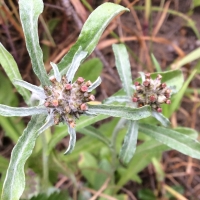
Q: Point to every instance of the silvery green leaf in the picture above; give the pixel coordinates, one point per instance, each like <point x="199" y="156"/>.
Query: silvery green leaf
<point x="120" y="99"/>
<point x="123" y="67"/>
<point x="33" y="88"/>
<point x="14" y="182"/>
<point x="56" y="71"/>
<point x="95" y="84"/>
<point x="121" y="111"/>
<point x="142" y="76"/>
<point x="92" y="31"/>
<point x="29" y="12"/>
<point x="130" y="142"/>
<point x="10" y="66"/>
<point x="173" y="139"/>
<point x="48" y="123"/>
<point x="22" y="111"/>
<point x="72" y="140"/>
<point x="77" y="59"/>
<point x="161" y="118"/>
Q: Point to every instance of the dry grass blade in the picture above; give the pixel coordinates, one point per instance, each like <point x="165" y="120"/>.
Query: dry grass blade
<point x="144" y="52"/>
<point x="103" y="187"/>
<point x="161" y="40"/>
<point x="80" y="10"/>
<point x="162" y="18"/>
<point x="174" y="193"/>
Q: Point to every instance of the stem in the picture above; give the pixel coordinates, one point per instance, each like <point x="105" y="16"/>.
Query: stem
<point x="45" y="162"/>
<point x="113" y="150"/>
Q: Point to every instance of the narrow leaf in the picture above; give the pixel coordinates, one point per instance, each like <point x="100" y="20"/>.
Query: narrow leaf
<point x="156" y="64"/>
<point x="142" y="76"/>
<point x="15" y="179"/>
<point x="173" y="78"/>
<point x="77" y="59"/>
<point x="161" y="118"/>
<point x="12" y="71"/>
<point x="91" y="131"/>
<point x="33" y="88"/>
<point x="22" y="111"/>
<point x="120" y="99"/>
<point x="173" y="139"/>
<point x="56" y="71"/>
<point x="29" y="13"/>
<point x="130" y="142"/>
<point x="123" y="67"/>
<point x="72" y="140"/>
<point x="81" y="123"/>
<point x="187" y="131"/>
<point x="95" y="84"/>
<point x="91" y="32"/>
<point x="121" y="111"/>
<point x="49" y="122"/>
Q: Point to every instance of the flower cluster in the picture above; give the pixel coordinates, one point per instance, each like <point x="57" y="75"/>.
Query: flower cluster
<point x="66" y="100"/>
<point x="152" y="92"/>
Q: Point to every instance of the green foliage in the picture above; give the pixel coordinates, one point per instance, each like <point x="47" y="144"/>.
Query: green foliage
<point x="29" y="22"/>
<point x="96" y="153"/>
<point x="12" y="71"/>
<point x="92" y="31"/>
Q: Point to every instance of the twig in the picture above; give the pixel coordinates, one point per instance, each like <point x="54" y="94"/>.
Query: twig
<point x="161" y="20"/>
<point x="103" y="187"/>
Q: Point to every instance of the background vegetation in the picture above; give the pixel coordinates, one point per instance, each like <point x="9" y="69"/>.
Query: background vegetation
<point x="166" y="30"/>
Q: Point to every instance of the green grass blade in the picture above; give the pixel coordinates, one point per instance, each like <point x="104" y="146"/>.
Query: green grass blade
<point x="195" y="54"/>
<point x="91" y="32"/>
<point x="15" y="179"/>
<point x="123" y="67"/>
<point x="156" y="64"/>
<point x="10" y="66"/>
<point x="173" y="139"/>
<point x="29" y="13"/>
<point x="130" y="142"/>
<point x="121" y="111"/>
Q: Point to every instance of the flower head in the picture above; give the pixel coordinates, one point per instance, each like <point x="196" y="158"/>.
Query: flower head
<point x="151" y="92"/>
<point x="66" y="101"/>
<point x="62" y="100"/>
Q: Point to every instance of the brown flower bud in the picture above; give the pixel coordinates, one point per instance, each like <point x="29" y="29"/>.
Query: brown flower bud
<point x="159" y="109"/>
<point x="68" y="86"/>
<point x="52" y="79"/>
<point x="163" y="85"/>
<point x="88" y="83"/>
<point x="152" y="98"/>
<point x="146" y="83"/>
<point x="83" y="107"/>
<point x="91" y="97"/>
<point x="168" y="101"/>
<point x="84" y="88"/>
<point x="147" y="75"/>
<point x="55" y="102"/>
<point x="80" y="80"/>
<point x="46" y="104"/>
<point x="134" y="99"/>
<point x="136" y="83"/>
